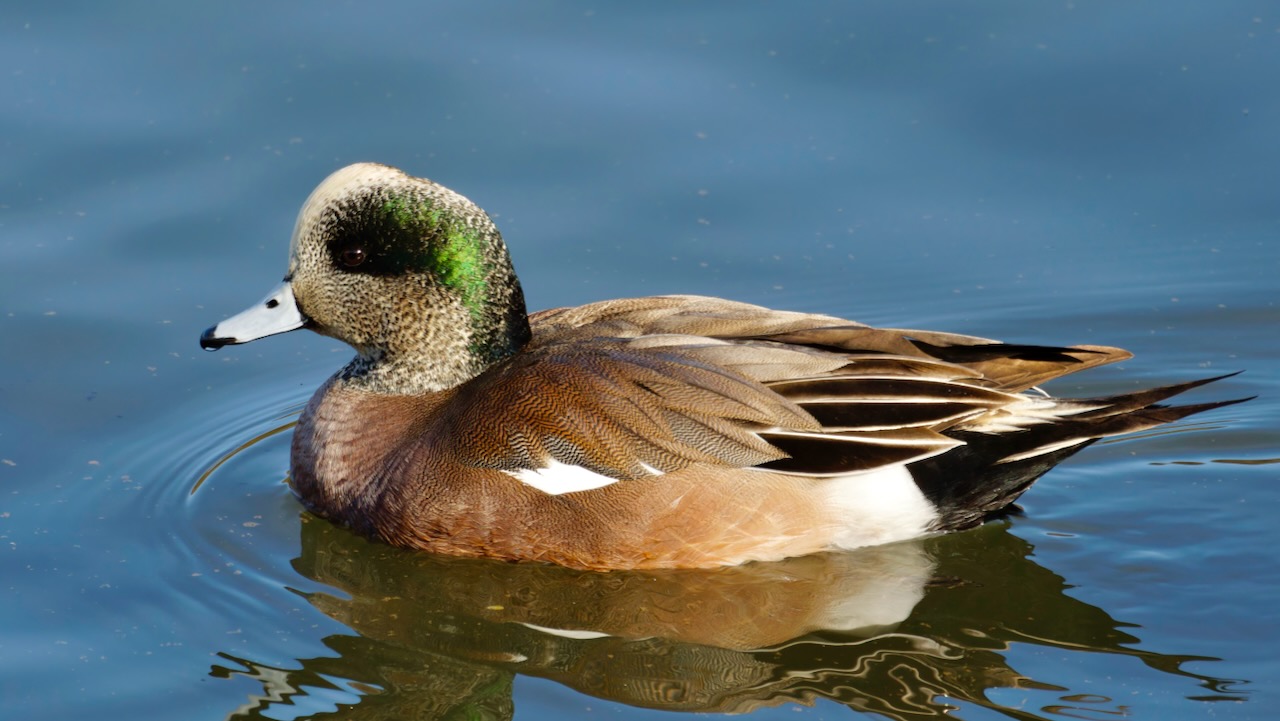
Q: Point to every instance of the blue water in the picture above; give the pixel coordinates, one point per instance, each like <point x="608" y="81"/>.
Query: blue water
<point x="1084" y="172"/>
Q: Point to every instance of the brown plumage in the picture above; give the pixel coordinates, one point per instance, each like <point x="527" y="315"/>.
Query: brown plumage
<point x="646" y="432"/>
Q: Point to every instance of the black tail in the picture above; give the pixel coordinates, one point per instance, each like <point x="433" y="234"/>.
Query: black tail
<point x="983" y="477"/>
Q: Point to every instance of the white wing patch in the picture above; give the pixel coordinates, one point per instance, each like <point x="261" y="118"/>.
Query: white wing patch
<point x="559" y="478"/>
<point x="572" y="633"/>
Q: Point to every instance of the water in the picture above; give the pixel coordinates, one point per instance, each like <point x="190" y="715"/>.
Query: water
<point x="1082" y="172"/>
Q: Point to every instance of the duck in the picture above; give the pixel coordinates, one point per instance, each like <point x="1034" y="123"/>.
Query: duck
<point x="673" y="431"/>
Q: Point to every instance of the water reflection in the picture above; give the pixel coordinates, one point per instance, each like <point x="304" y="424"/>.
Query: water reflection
<point x="896" y="630"/>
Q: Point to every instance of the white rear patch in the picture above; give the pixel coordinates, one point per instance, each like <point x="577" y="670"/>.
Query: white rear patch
<point x="880" y="591"/>
<point x="880" y="506"/>
<point x="558" y="478"/>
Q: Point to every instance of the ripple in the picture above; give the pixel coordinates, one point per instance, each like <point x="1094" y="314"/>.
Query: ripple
<point x="212" y="490"/>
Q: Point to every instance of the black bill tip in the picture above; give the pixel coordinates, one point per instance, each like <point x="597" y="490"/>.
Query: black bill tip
<point x="209" y="340"/>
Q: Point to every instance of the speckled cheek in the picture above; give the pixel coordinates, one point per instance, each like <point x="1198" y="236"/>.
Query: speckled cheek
<point x="302" y="229"/>
<point x="306" y="252"/>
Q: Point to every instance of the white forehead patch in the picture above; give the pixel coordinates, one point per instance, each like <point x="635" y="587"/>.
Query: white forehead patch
<point x="341" y="183"/>
<point x="352" y="178"/>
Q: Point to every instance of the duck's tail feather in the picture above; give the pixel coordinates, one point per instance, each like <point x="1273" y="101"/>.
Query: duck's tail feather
<point x="984" y="476"/>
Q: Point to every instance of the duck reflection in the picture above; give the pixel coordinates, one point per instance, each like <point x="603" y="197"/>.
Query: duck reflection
<point x="896" y="630"/>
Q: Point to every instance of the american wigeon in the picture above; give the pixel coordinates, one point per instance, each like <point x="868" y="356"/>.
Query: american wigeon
<point x="671" y="431"/>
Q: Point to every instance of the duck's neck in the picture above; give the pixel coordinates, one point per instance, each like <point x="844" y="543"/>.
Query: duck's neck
<point x="409" y="374"/>
<point x="445" y="361"/>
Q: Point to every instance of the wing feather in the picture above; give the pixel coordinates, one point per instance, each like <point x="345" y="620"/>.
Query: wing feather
<point x="626" y="387"/>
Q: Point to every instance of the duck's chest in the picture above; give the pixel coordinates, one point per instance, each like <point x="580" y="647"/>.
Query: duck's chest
<point x="346" y="449"/>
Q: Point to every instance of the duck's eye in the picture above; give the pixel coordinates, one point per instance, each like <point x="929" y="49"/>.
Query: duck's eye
<point x="353" y="256"/>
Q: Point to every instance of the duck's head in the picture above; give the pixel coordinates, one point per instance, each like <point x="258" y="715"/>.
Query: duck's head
<point x="412" y="275"/>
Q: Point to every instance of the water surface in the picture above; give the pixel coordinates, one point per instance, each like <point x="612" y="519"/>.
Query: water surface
<point x="1079" y="172"/>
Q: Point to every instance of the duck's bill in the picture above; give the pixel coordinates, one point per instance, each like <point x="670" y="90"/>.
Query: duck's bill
<point x="277" y="313"/>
